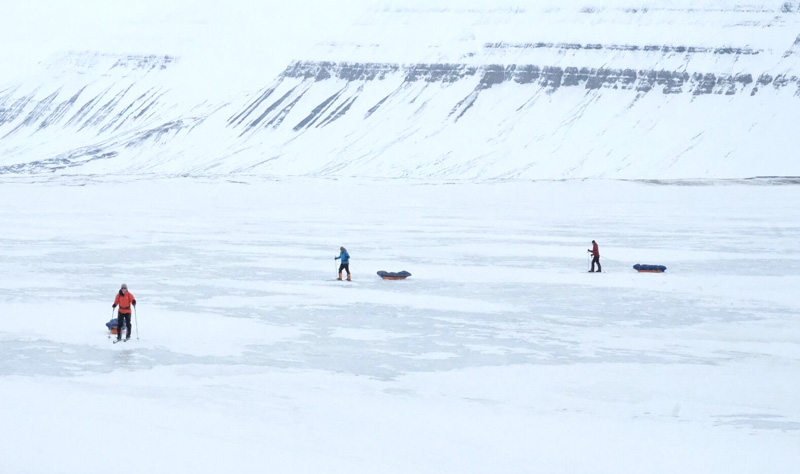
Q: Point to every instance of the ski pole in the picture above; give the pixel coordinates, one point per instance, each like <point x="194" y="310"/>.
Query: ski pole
<point x="136" y="320"/>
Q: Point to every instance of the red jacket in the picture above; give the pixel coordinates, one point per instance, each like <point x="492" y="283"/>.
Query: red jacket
<point x="125" y="301"/>
<point x="595" y="249"/>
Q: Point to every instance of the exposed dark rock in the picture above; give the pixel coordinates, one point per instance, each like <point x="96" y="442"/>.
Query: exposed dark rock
<point x="705" y="83"/>
<point x="338" y="112"/>
<point x="238" y="118"/>
<point x="665" y="49"/>
<point x="277" y="120"/>
<point x="272" y="106"/>
<point x="744" y="79"/>
<point x="317" y="112"/>
<point x="322" y="74"/>
<point x="9" y="114"/>
<point x="376" y="106"/>
<point x="571" y="76"/>
<point x="781" y="80"/>
<point x="552" y="78"/>
<point x="526" y="74"/>
<point x="439" y="72"/>
<point x="494" y="74"/>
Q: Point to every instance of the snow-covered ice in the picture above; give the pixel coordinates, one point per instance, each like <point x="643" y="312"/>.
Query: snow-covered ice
<point x="501" y="354"/>
<point x="215" y="155"/>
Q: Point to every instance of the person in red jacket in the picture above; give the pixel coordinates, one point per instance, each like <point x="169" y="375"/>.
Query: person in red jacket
<point x="595" y="251"/>
<point x="125" y="300"/>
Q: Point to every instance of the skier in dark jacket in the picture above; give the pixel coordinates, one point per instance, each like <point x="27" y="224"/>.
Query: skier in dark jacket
<point x="595" y="251"/>
<point x="125" y="300"/>
<point x="345" y="265"/>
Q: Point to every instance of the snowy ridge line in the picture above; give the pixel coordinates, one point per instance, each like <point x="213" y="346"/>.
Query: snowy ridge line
<point x="754" y="181"/>
<point x="248" y="179"/>
<point x="665" y="49"/>
<point x="784" y="7"/>
<point x="553" y="77"/>
<point x="72" y="61"/>
<point x="149" y="62"/>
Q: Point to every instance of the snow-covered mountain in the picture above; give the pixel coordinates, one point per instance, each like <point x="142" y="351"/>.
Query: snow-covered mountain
<point x="571" y="89"/>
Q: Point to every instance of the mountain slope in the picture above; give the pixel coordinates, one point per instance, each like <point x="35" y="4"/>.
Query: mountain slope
<point x="553" y="90"/>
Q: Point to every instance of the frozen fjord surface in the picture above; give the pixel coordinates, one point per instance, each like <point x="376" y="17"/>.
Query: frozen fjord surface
<point x="499" y="354"/>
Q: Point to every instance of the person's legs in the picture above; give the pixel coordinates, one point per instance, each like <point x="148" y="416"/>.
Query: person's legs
<point x="128" y="325"/>
<point x="347" y="268"/>
<point x="341" y="267"/>
<point x="120" y="321"/>
<point x="597" y="261"/>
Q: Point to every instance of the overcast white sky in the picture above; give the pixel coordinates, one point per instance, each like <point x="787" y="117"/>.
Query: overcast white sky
<point x="35" y="29"/>
<point x="32" y="26"/>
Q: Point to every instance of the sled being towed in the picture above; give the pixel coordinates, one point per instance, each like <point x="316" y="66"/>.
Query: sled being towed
<point x="394" y="275"/>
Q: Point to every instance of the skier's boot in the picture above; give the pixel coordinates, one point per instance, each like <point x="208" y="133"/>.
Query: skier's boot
<point x="340" y="276"/>
<point x="348" y="277"/>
